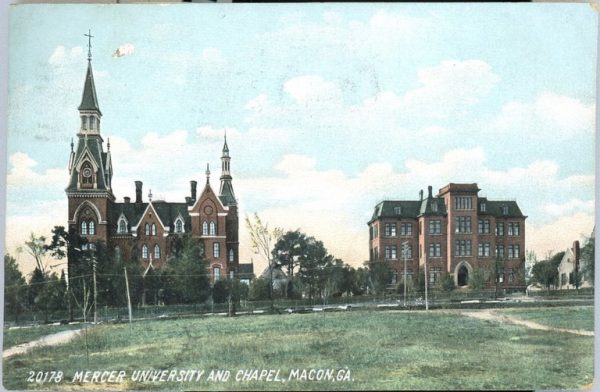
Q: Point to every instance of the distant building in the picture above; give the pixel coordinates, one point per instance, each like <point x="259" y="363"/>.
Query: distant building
<point x="455" y="231"/>
<point x="568" y="269"/>
<point x="246" y="273"/>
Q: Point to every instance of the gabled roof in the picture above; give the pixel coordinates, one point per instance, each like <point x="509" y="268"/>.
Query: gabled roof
<point x="89" y="100"/>
<point x="93" y="145"/>
<point x="167" y="213"/>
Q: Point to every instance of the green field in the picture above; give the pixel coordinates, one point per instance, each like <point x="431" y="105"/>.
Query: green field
<point x="15" y="336"/>
<point x="572" y="317"/>
<point x="382" y="350"/>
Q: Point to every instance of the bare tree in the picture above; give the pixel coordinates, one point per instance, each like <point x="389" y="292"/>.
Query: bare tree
<point x="262" y="238"/>
<point x="36" y="247"/>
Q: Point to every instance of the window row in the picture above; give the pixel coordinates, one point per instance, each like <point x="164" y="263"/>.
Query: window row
<point x="462" y="224"/>
<point x="462" y="248"/>
<point x="501" y="274"/>
<point x="145" y="252"/>
<point x="462" y="203"/>
<point x="389" y="230"/>
<point x="484" y="226"/>
<point x="391" y="252"/>
<point x="89" y="122"/>
<point x="88" y="227"/>
<point x="209" y="228"/>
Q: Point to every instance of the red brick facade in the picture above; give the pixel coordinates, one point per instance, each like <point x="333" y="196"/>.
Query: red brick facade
<point x="457" y="232"/>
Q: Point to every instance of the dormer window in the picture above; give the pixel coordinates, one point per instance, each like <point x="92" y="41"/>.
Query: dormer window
<point x="397" y="210"/>
<point x="434" y="206"/>
<point x="504" y="210"/>
<point x="122" y="226"/>
<point x="482" y="207"/>
<point x="178" y="226"/>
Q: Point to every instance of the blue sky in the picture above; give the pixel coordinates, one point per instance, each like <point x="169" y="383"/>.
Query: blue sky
<point x="328" y="108"/>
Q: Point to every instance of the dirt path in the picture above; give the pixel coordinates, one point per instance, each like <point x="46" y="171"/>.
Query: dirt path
<point x="54" y="339"/>
<point x="490" y="315"/>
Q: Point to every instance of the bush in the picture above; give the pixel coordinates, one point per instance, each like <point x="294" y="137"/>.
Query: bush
<point x="447" y="282"/>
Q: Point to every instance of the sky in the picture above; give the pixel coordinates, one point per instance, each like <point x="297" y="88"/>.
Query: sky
<point x="328" y="109"/>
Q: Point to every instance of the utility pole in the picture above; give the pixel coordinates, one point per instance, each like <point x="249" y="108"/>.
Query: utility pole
<point x="128" y="297"/>
<point x="95" y="290"/>
<point x="404" y="250"/>
<point x="426" y="280"/>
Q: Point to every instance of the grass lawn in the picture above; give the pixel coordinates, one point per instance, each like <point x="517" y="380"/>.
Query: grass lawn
<point x="572" y="317"/>
<point x="15" y="336"/>
<point x="382" y="350"/>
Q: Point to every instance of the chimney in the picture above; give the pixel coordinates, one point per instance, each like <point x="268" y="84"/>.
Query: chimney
<point x="138" y="191"/>
<point x="127" y="199"/>
<point x="429" y="190"/>
<point x="576" y="254"/>
<point x="188" y="200"/>
<point x="193" y="186"/>
<point x="421" y="195"/>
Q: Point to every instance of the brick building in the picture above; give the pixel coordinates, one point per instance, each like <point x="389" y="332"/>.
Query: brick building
<point x="144" y="229"/>
<point x="455" y="231"/>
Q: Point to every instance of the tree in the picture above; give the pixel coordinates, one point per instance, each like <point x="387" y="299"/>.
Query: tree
<point x="530" y="261"/>
<point x="259" y="289"/>
<point x="36" y="247"/>
<point x="360" y="280"/>
<point x="379" y="276"/>
<point x="588" y="258"/>
<point x="14" y="288"/>
<point x="546" y="272"/>
<point x="447" y="282"/>
<point x="288" y="250"/>
<point x="477" y="279"/>
<point x="340" y="278"/>
<point x="184" y="279"/>
<point x="262" y="239"/>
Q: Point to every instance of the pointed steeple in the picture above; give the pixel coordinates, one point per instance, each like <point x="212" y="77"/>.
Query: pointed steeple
<point x="89" y="100"/>
<point x="226" y="191"/>
<point x="207" y="174"/>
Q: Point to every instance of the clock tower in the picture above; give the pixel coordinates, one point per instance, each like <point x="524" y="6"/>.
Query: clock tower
<point x="89" y="190"/>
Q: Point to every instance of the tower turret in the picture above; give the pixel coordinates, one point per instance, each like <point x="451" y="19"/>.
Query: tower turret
<point x="226" y="190"/>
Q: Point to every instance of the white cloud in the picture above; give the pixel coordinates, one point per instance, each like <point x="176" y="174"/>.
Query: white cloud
<point x="124" y="50"/>
<point x="310" y="88"/>
<point x="549" y="114"/>
<point x="60" y="56"/>
<point x="22" y="173"/>
<point x="559" y="234"/>
<point x="570" y="207"/>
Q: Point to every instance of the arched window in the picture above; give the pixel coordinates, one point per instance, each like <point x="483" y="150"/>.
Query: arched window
<point x="178" y="226"/>
<point x="212" y="228"/>
<point x="122" y="226"/>
<point x="153" y="229"/>
<point x="86" y="175"/>
<point x="147" y="229"/>
<point x="91" y="227"/>
<point x="216" y="249"/>
<point x="156" y="251"/>
<point x="83" y="122"/>
<point x="144" y="252"/>
<point x="231" y="254"/>
<point x="204" y="228"/>
<point x="84" y="228"/>
<point x="92" y="122"/>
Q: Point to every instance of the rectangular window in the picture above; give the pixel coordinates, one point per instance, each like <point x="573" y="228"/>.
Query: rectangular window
<point x="513" y="251"/>
<point x="500" y="251"/>
<point x="435" y="250"/>
<point x="499" y="229"/>
<point x="511" y="276"/>
<point x="484" y="226"/>
<point x="216" y="249"/>
<point x="435" y="226"/>
<point x="406" y="229"/>
<point x="462" y="248"/>
<point x="409" y="252"/>
<point x="482" y="207"/>
<point x="513" y="228"/>
<point x="390" y="229"/>
<point x="463" y="224"/>
<point x="483" y="250"/>
<point x="462" y="203"/>
<point x="435" y="274"/>
<point x="216" y="273"/>
<point x="390" y="252"/>
<point x="501" y="276"/>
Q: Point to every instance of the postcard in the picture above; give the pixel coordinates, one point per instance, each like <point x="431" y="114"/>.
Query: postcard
<point x="300" y="197"/>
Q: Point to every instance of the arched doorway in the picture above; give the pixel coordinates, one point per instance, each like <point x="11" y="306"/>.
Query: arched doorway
<point x="462" y="276"/>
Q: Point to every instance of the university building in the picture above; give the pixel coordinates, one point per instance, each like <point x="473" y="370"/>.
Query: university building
<point x="141" y="229"/>
<point x="455" y="231"/>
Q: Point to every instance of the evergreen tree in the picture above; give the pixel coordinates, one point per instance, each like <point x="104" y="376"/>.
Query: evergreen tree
<point x="14" y="289"/>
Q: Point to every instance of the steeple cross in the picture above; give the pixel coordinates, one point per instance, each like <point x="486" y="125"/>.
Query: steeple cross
<point x="90" y="36"/>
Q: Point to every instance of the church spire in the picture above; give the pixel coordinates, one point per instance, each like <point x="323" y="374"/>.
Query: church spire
<point x="226" y="192"/>
<point x="89" y="109"/>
